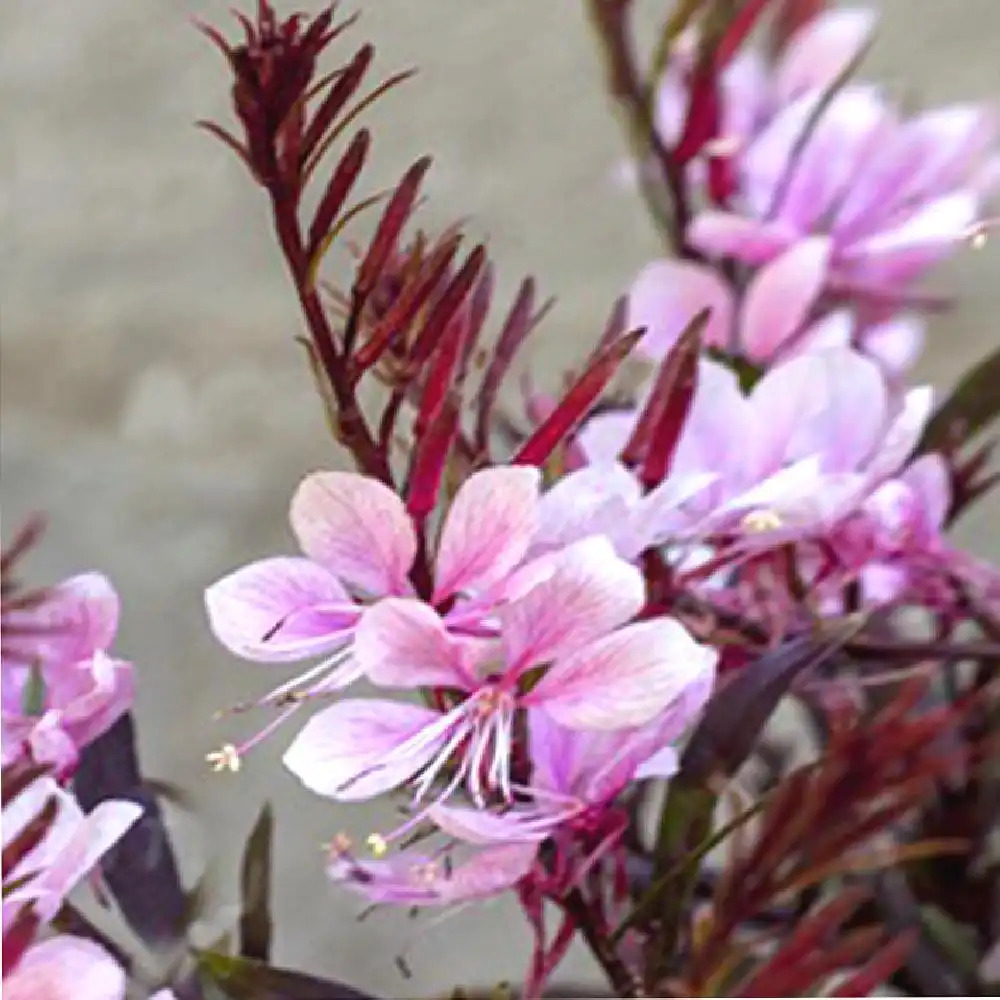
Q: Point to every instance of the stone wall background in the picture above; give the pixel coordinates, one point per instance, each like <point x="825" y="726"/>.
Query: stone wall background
<point x="154" y="403"/>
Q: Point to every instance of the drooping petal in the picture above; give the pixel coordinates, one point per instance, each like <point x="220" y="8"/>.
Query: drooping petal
<point x="667" y="295"/>
<point x="357" y="528"/>
<point x="623" y="680"/>
<point x="779" y="298"/>
<point x="280" y="609"/>
<point x="591" y="592"/>
<point x="488" y="529"/>
<point x="90" y="695"/>
<point x="65" y="968"/>
<point x="725" y="234"/>
<point x="895" y="344"/>
<point x="416" y="880"/>
<point x="403" y="643"/>
<point x="349" y="751"/>
<point x="820" y="51"/>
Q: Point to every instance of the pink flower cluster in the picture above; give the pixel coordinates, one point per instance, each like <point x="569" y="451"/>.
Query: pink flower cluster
<point x="62" y="966"/>
<point x="61" y="686"/>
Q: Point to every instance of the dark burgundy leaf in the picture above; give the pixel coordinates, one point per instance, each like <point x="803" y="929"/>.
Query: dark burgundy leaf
<point x="430" y="457"/>
<point x="973" y="405"/>
<point x="140" y="870"/>
<point x="479" y="307"/>
<point x="246" y="979"/>
<point x="347" y="83"/>
<point x="255" y="889"/>
<point x="574" y="407"/>
<point x="703" y="116"/>
<point x="17" y="777"/>
<point x="738" y="29"/>
<point x="228" y="139"/>
<point x="732" y="723"/>
<point x="390" y="226"/>
<point x="879" y="969"/>
<point x="29" y="837"/>
<point x="341" y="183"/>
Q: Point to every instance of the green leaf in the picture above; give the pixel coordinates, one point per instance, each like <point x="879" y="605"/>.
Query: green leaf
<point x="33" y="698"/>
<point x="248" y="979"/>
<point x="255" y="889"/>
<point x="973" y="405"/>
<point x="955" y="941"/>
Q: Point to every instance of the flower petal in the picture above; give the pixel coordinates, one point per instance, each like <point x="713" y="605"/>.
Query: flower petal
<point x="591" y="592"/>
<point x="667" y="295"/>
<point x="725" y="234"/>
<point x="903" y="433"/>
<point x="479" y="826"/>
<point x="403" y="643"/>
<point x="349" y="751"/>
<point x="65" y="968"/>
<point x="779" y="298"/>
<point x="280" y="609"/>
<point x="623" y="680"/>
<point x="895" y="344"/>
<point x="930" y="481"/>
<point x="357" y="528"/>
<point x="603" y="437"/>
<point x="488" y="529"/>
<point x="820" y="51"/>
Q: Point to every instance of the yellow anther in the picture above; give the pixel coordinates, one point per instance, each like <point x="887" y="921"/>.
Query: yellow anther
<point x="761" y="520"/>
<point x="377" y="844"/>
<point x="225" y="759"/>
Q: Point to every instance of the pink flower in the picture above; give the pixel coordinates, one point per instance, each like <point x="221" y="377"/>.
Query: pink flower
<point x="65" y="968"/>
<point x="61" y="689"/>
<point x="776" y="317"/>
<point x="804" y="448"/>
<point x="70" y="848"/>
<point x="360" y="545"/>
<point x="563" y="646"/>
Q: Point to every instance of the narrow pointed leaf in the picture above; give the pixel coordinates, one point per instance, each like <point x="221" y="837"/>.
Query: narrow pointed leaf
<point x="337" y="191"/>
<point x="391" y="225"/>
<point x="255" y="889"/>
<point x="662" y="421"/>
<point x="228" y="139"/>
<point x="879" y="969"/>
<point x="440" y="374"/>
<point x="30" y="837"/>
<point x="703" y="116"/>
<point x="140" y="870"/>
<point x="430" y="458"/>
<point x="17" y="777"/>
<point x="246" y="979"/>
<point x="576" y="404"/>
<point x="973" y="405"/>
<point x="479" y="307"/>
<point x="336" y="99"/>
<point x="739" y="29"/>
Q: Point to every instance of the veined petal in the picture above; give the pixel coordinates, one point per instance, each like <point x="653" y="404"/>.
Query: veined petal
<point x="65" y="968"/>
<point x="820" y="51"/>
<point x="603" y="437"/>
<point x="488" y="529"/>
<point x="414" y="879"/>
<point x="479" y="826"/>
<point x="667" y="295"/>
<point x="349" y="751"/>
<point x="357" y="528"/>
<point x="280" y="609"/>
<point x="725" y="234"/>
<point x="779" y="298"/>
<point x="623" y="680"/>
<point x="591" y="592"/>
<point x="404" y="643"/>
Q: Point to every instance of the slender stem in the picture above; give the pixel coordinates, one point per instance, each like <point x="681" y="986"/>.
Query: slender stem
<point x="590" y="922"/>
<point x="634" y="98"/>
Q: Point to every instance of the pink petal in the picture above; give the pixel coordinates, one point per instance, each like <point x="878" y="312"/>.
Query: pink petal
<point x="895" y="344"/>
<point x="357" y="528"/>
<point x="488" y="529"/>
<point x="834" y="331"/>
<point x="901" y="435"/>
<point x="412" y="879"/>
<point x="667" y="295"/>
<point x="723" y="234"/>
<point x="930" y="481"/>
<point x="591" y="592"/>
<point x="350" y="751"/>
<point x="819" y="53"/>
<point x="404" y="643"/>
<point x="280" y="609"/>
<point x="91" y="695"/>
<point x="779" y="298"/>
<point x="603" y="437"/>
<point x="65" y="968"/>
<point x="663" y="764"/>
<point x="623" y="680"/>
<point x="479" y="826"/>
<point x="882" y="583"/>
<point x="589" y="501"/>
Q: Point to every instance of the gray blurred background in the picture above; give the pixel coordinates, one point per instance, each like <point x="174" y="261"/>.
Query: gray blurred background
<point x="156" y="407"/>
